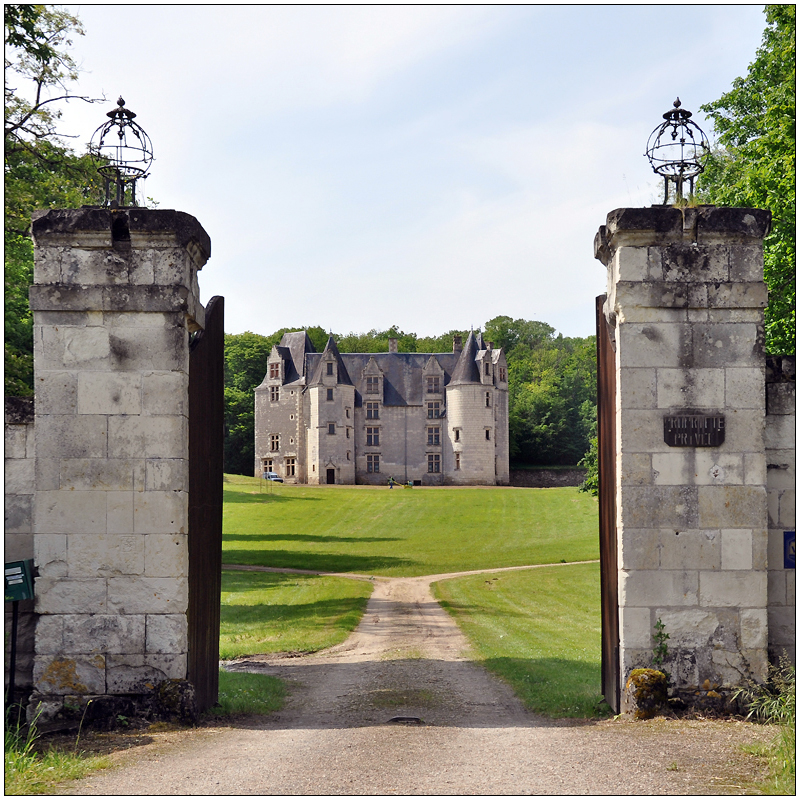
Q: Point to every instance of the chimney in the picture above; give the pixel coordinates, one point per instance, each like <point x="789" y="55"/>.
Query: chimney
<point x="392" y="344"/>
<point x="490" y="345"/>
<point x="457" y="346"/>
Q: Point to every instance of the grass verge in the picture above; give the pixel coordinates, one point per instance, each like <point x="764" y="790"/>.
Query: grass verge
<point x="404" y="532"/>
<point x="28" y="771"/>
<point x="264" y="612"/>
<point x="537" y="629"/>
<point x="248" y="693"/>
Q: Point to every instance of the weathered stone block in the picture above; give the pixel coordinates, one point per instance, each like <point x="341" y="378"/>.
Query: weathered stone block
<point x="744" y="387"/>
<point x="19" y="475"/>
<point x="56" y="392"/>
<point x="119" y="510"/>
<point x="70" y="595"/>
<point x="780" y="431"/>
<point x="140" y="674"/>
<point x="72" y="348"/>
<point x="64" y="675"/>
<point x="71" y="436"/>
<point x="96" y="474"/>
<point x="635" y="469"/>
<point x="142" y="595"/>
<point x="109" y="393"/>
<point x="94" y="267"/>
<point x="776" y="587"/>
<point x="755" y="469"/>
<point x="742" y="345"/>
<point x="643" y="432"/>
<point x="631" y="264"/>
<point x="654" y="345"/>
<point x="639" y="549"/>
<point x="674" y="468"/>
<point x="48" y="474"/>
<point x="659" y="507"/>
<point x="737" y="295"/>
<point x="747" y="263"/>
<point x="692" y="549"/>
<point x="781" y="626"/>
<point x="70" y="512"/>
<point x="775" y="549"/>
<point x="745" y="428"/>
<point x="759" y="548"/>
<point x="733" y="588"/>
<point x="18" y="546"/>
<point x="160" y="512"/>
<point x="166" y="555"/>
<point x="166" y="633"/>
<point x="104" y="633"/>
<point x="650" y="588"/>
<point x="781" y="398"/>
<point x="18" y="513"/>
<point x="712" y="467"/>
<point x="753" y="627"/>
<point x="737" y="549"/>
<point x="165" y="393"/>
<point x="135" y="348"/>
<point x="688" y="627"/>
<point x="731" y="506"/>
<point x="167" y="475"/>
<point x="148" y="437"/>
<point x="50" y="554"/>
<point x="638" y="388"/>
<point x="635" y="627"/>
<point x="780" y="470"/>
<point x="15" y="437"/>
<point x="50" y="634"/>
<point x="787" y="509"/>
<point x="105" y="555"/>
<point x="691" y="388"/>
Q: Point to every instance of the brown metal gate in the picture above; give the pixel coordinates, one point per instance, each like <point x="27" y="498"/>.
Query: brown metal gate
<point x="206" y="421"/>
<point x="606" y="458"/>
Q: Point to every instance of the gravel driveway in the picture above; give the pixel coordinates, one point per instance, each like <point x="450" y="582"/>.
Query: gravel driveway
<point x="461" y="731"/>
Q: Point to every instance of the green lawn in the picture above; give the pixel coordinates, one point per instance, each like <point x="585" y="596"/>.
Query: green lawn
<point x="538" y="629"/>
<point x="265" y="612"/>
<point x="404" y="532"/>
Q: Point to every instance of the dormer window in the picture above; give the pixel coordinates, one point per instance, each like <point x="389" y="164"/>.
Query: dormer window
<point x="274" y="371"/>
<point x="373" y="384"/>
<point x="434" y="386"/>
<point x="487" y="368"/>
<point x="502" y="373"/>
<point x="329" y="368"/>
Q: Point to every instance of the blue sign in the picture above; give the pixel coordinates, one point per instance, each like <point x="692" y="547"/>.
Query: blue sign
<point x="789" y="549"/>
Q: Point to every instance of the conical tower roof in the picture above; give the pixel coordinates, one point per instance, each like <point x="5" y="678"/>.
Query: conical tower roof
<point x="341" y="370"/>
<point x="466" y="370"/>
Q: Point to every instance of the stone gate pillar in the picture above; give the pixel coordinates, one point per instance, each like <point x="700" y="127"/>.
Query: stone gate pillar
<point x="685" y="300"/>
<point x="115" y="301"/>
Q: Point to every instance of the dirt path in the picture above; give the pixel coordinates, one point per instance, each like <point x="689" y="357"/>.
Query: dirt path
<point x="464" y="731"/>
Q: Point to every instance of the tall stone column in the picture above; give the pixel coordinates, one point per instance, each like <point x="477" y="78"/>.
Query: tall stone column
<point x="686" y="298"/>
<point x="115" y="301"/>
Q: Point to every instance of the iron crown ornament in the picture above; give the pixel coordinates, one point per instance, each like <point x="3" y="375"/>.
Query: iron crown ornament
<point x="123" y="153"/>
<point x="676" y="150"/>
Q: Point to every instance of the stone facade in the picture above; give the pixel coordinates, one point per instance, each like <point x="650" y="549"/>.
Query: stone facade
<point x="685" y="299"/>
<point x="432" y="419"/>
<point x="781" y="493"/>
<point x="115" y="301"/>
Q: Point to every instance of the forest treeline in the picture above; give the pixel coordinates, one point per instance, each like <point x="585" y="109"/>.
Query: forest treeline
<point x="552" y="385"/>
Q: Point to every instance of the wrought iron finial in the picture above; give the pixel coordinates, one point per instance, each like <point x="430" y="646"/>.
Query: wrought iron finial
<point x="124" y="159"/>
<point x="676" y="150"/>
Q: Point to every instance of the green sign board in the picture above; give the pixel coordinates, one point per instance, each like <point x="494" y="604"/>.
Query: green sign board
<point x="19" y="580"/>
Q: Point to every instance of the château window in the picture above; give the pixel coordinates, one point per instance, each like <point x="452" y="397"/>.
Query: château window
<point x="274" y="371"/>
<point x="348" y="455"/>
<point x="275" y="442"/>
<point x="434" y="462"/>
<point x="488" y="399"/>
<point x="267" y="465"/>
<point x="373" y="385"/>
<point x="433" y="435"/>
<point x="502" y="373"/>
<point x="433" y="384"/>
<point x="329" y="394"/>
<point x="329" y="368"/>
<point x="331" y="428"/>
<point x="373" y="462"/>
<point x="347" y="432"/>
<point x="458" y="460"/>
<point x="373" y="437"/>
<point x="487" y="368"/>
<point x="434" y="410"/>
<point x="372" y="410"/>
<point x="457" y="434"/>
<point x="488" y="435"/>
<point x="274" y="394"/>
<point x="347" y="413"/>
<point x="290" y="467"/>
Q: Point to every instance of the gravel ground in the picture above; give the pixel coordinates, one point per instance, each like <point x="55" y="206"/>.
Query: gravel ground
<point x="460" y="730"/>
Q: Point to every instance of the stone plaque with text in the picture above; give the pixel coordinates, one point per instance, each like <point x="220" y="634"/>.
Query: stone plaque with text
<point x="694" y="430"/>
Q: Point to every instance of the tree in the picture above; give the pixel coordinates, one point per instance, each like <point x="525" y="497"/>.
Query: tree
<point x="40" y="170"/>
<point x="753" y="163"/>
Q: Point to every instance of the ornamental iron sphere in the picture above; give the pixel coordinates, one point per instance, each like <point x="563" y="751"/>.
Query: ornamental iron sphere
<point x="676" y="150"/>
<point x="123" y="154"/>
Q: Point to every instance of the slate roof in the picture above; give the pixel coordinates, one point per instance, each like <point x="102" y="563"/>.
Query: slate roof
<point x="343" y="374"/>
<point x="467" y="370"/>
<point x="293" y="349"/>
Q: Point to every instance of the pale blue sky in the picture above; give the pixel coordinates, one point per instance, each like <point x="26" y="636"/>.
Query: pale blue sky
<point x="428" y="167"/>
